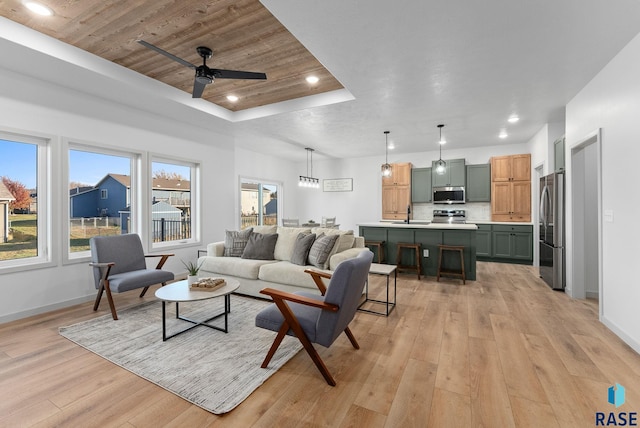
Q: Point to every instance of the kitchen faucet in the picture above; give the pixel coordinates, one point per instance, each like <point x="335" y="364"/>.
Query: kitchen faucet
<point x="408" y="212"/>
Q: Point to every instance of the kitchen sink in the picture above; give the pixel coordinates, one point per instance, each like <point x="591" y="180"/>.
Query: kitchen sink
<point x="412" y="222"/>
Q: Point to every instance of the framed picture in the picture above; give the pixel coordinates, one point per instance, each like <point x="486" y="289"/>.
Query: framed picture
<point x="337" y="185"/>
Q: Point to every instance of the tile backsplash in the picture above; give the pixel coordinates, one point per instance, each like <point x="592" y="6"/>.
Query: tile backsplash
<point x="476" y="211"/>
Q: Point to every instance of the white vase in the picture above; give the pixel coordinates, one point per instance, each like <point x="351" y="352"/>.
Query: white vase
<point x="191" y="279"/>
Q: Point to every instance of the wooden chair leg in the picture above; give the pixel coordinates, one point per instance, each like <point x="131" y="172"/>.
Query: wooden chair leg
<point x="111" y="304"/>
<point x="98" y="297"/>
<point x="352" y="338"/>
<point x="276" y="342"/>
<point x="144" y="290"/>
<point x="291" y="319"/>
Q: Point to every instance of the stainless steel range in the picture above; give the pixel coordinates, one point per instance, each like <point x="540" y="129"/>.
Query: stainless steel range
<point x="449" y="216"/>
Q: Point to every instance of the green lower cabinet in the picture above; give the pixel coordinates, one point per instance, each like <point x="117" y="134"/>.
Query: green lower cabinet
<point x="513" y="243"/>
<point x="376" y="234"/>
<point x="429" y="240"/>
<point x="483" y="241"/>
<point x="395" y="236"/>
<point x="451" y="259"/>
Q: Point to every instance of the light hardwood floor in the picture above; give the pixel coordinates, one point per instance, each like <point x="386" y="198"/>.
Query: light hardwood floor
<point x="501" y="351"/>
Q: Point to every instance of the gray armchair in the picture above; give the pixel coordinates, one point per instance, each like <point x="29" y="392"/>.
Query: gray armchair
<point x="119" y="265"/>
<point x="318" y="319"/>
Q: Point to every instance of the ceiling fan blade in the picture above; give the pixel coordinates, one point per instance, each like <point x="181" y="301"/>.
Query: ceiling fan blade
<point x="198" y="88"/>
<point x="233" y="74"/>
<point x="167" y="54"/>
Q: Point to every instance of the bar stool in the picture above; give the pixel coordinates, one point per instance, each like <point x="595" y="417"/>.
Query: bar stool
<point x="460" y="250"/>
<point x="379" y="246"/>
<point x="408" y="246"/>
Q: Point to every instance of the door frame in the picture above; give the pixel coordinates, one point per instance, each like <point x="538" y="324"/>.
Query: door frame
<point x="576" y="176"/>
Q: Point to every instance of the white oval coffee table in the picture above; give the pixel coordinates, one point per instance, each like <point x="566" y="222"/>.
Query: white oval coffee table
<point x="180" y="292"/>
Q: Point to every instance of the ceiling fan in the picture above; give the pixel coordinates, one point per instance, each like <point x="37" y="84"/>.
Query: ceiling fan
<point x="204" y="74"/>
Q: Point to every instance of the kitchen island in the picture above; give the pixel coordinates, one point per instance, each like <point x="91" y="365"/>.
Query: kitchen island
<point x="429" y="236"/>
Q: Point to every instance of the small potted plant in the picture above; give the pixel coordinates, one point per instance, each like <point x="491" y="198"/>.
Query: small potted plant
<point x="192" y="271"/>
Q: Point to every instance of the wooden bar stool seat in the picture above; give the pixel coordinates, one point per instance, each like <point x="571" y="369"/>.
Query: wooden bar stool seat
<point x="455" y="273"/>
<point x="379" y="245"/>
<point x="408" y="246"/>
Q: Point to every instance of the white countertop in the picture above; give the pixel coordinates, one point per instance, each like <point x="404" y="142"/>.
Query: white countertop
<point x="508" y="223"/>
<point x="418" y="225"/>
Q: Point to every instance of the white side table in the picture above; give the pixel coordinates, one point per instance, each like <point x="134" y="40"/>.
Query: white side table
<point x="387" y="270"/>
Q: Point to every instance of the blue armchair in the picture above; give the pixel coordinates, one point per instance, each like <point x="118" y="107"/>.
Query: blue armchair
<point x="318" y="319"/>
<point x="119" y="265"/>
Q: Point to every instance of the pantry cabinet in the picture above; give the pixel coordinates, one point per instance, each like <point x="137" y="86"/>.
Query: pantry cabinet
<point x="511" y="188"/>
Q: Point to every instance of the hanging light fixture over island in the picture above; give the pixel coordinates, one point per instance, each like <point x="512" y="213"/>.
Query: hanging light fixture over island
<point x="386" y="168"/>
<point x="441" y="166"/>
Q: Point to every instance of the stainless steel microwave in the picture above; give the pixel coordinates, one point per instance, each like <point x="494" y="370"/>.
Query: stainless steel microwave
<point x="448" y="195"/>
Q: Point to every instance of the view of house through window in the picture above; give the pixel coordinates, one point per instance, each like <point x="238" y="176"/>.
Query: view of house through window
<point x="99" y="196"/>
<point x="171" y="214"/>
<point x="258" y="203"/>
<point x="18" y="200"/>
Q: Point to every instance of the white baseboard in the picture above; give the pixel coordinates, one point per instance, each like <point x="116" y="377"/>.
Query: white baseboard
<point x="47" y="308"/>
<point x="621" y="334"/>
<point x="593" y="295"/>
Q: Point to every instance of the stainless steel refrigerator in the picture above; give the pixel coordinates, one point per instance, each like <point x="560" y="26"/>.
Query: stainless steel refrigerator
<point x="552" y="258"/>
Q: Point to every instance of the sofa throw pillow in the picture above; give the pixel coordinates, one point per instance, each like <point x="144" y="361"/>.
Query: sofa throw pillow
<point x="235" y="241"/>
<point x="303" y="244"/>
<point x="320" y="250"/>
<point x="286" y="241"/>
<point x="260" y="246"/>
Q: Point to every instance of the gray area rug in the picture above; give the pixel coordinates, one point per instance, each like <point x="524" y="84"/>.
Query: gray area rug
<point x="206" y="367"/>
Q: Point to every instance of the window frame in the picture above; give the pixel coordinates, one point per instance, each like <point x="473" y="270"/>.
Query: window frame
<point x="261" y="182"/>
<point x="195" y="202"/>
<point x="134" y="168"/>
<point x="44" y="154"/>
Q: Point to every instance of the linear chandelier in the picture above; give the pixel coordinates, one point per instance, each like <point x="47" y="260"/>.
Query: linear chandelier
<point x="308" y="180"/>
<point x="441" y="166"/>
<point x="386" y="168"/>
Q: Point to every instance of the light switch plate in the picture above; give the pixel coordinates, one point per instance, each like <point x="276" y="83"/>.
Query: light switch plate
<point x="608" y="216"/>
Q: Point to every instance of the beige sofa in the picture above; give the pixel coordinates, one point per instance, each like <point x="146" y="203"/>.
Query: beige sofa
<point x="254" y="275"/>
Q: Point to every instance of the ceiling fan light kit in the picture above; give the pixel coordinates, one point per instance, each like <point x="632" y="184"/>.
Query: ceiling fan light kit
<point x="308" y="180"/>
<point x="441" y="166"/>
<point x="203" y="74"/>
<point x="386" y="168"/>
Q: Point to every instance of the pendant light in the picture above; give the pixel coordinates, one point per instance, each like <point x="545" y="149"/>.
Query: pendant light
<point x="308" y="180"/>
<point x="441" y="166"/>
<point x="386" y="168"/>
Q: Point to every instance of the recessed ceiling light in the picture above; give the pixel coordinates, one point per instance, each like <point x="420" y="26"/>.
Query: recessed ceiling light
<point x="513" y="118"/>
<point x="312" y="79"/>
<point x="38" y="8"/>
<point x="503" y="134"/>
<point x="391" y="146"/>
<point x="232" y="98"/>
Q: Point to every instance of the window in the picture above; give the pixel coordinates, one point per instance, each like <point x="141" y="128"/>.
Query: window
<point x="99" y="195"/>
<point x="23" y="200"/>
<point x="258" y="203"/>
<point x="173" y="201"/>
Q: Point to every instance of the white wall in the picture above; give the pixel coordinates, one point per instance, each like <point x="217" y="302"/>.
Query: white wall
<point x="62" y="113"/>
<point x="611" y="101"/>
